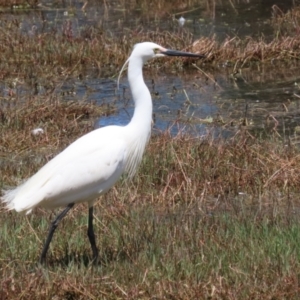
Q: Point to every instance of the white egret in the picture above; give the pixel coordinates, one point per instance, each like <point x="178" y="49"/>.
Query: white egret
<point x="92" y="164"/>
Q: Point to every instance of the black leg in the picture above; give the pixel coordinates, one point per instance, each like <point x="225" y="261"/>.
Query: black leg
<point x="91" y="235"/>
<point x="53" y="226"/>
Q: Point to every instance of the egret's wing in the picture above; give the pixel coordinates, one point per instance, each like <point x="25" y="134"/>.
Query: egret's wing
<point x="87" y="168"/>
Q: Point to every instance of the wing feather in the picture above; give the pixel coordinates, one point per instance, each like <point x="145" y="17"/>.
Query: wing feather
<point x="84" y="170"/>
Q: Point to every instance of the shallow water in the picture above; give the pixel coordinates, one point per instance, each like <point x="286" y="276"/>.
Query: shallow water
<point x="260" y="97"/>
<point x="202" y="18"/>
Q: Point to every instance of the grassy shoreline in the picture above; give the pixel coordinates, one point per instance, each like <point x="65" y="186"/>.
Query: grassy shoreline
<point x="181" y="254"/>
<point x="203" y="219"/>
<point x="218" y="218"/>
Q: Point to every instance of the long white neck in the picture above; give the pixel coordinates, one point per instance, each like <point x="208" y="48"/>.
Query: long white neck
<point x="142" y="116"/>
<point x="139" y="128"/>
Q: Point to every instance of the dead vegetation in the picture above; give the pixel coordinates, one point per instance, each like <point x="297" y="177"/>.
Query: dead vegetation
<point x="205" y="218"/>
<point x="242" y="52"/>
<point x="183" y="229"/>
<point x="35" y="54"/>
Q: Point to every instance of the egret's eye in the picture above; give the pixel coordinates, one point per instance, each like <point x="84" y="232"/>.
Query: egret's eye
<point x="156" y="50"/>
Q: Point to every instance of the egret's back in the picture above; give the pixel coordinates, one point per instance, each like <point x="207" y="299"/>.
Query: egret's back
<point x="83" y="171"/>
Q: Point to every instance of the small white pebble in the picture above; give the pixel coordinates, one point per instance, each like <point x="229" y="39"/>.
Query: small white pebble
<point x="181" y="21"/>
<point x="37" y="131"/>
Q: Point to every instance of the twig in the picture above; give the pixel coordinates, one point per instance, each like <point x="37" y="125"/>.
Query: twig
<point x="213" y="80"/>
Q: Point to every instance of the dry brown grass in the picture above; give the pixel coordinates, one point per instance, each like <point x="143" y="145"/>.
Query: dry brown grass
<point x="212" y="173"/>
<point x="285" y="44"/>
<point x="216" y="219"/>
<point x="241" y="52"/>
<point x="46" y="56"/>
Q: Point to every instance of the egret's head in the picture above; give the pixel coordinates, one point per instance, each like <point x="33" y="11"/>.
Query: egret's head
<point x="148" y="50"/>
<point x="142" y="52"/>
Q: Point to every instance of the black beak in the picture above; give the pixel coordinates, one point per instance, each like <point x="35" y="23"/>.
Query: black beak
<point x="169" y="52"/>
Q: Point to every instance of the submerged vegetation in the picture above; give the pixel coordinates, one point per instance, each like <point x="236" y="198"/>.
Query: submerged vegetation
<point x="205" y="218"/>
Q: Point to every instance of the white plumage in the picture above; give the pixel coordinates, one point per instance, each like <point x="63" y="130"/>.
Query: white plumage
<point x="92" y="164"/>
<point x="80" y="173"/>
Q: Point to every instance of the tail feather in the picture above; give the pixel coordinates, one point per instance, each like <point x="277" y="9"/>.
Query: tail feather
<point x="8" y="197"/>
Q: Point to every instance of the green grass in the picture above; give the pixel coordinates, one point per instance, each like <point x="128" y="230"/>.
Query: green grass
<point x="217" y="220"/>
<point x="146" y="253"/>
